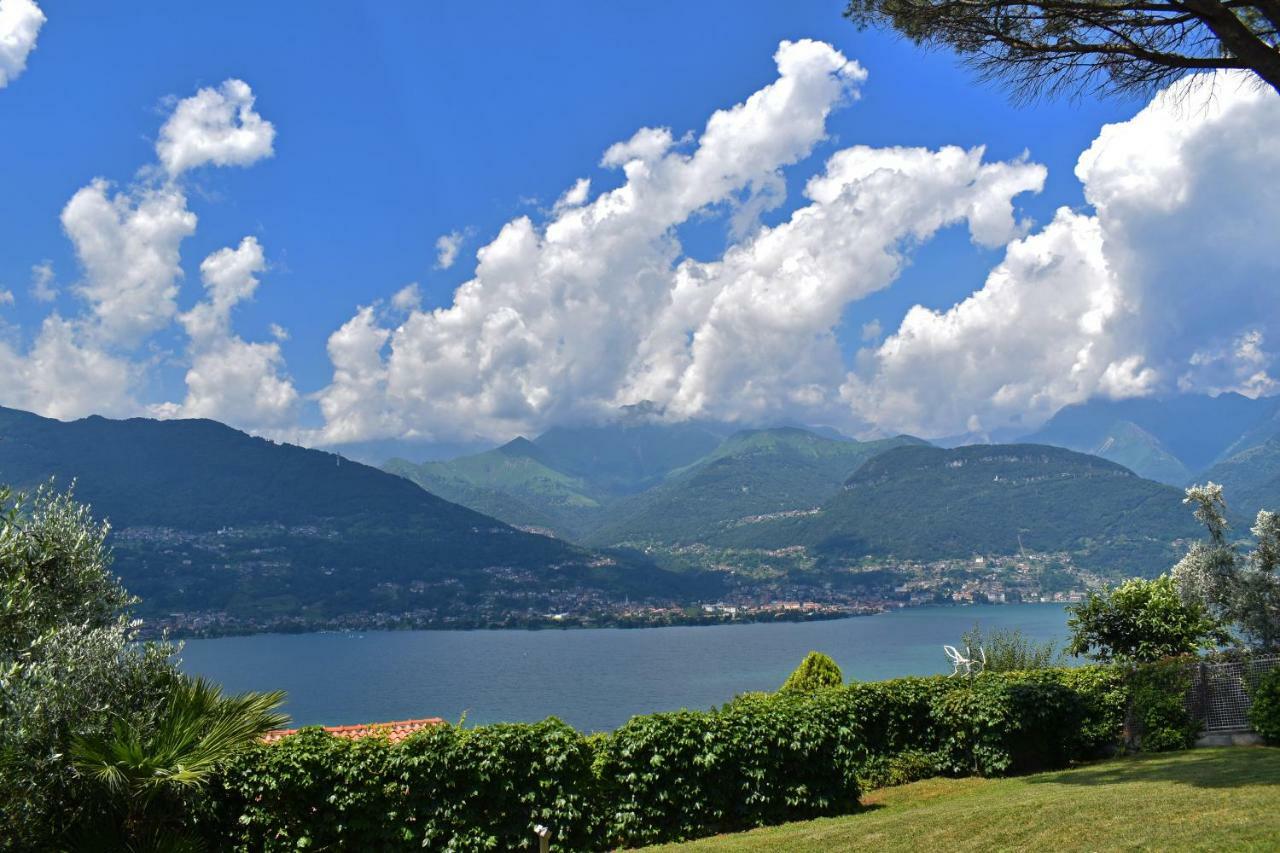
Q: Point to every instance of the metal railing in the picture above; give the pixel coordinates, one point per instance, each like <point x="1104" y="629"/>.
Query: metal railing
<point x="1220" y="692"/>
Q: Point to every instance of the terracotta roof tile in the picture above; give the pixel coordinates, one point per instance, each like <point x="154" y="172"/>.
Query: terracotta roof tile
<point x="395" y="731"/>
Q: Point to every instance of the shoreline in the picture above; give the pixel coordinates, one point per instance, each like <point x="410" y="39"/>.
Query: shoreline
<point x="567" y="624"/>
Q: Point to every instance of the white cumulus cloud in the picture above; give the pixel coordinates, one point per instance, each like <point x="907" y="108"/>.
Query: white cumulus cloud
<point x="447" y="246"/>
<point x="20" y="23"/>
<point x="1168" y="285"/>
<point x="231" y="379"/>
<point x="128" y="244"/>
<point x="60" y="376"/>
<point x="217" y="126"/>
<point x="595" y="309"/>
<point x="43" y="287"/>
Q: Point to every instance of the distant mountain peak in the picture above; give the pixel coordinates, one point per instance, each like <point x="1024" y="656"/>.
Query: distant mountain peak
<point x="520" y="447"/>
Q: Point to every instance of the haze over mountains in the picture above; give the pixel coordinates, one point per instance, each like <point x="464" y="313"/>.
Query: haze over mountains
<point x="1229" y="439"/>
<point x="209" y="519"/>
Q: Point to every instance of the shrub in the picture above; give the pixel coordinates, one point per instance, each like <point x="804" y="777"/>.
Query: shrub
<point x="1012" y="651"/>
<point x="446" y="788"/>
<point x="1141" y="620"/>
<point x="1264" y="713"/>
<point x="815" y="672"/>
<point x="1159" y="718"/>
<point x="760" y="759"/>
<point x="883" y="771"/>
<point x="1104" y="703"/>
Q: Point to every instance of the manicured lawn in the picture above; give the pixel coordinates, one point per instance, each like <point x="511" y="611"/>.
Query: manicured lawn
<point x="1205" y="799"/>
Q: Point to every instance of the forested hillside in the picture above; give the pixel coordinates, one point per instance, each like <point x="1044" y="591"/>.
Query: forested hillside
<point x="208" y="518"/>
<point x="930" y="503"/>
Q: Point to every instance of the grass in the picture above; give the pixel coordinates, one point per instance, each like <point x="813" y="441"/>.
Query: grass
<point x="1205" y="799"/>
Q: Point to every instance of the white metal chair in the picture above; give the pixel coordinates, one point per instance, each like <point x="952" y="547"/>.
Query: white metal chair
<point x="966" y="663"/>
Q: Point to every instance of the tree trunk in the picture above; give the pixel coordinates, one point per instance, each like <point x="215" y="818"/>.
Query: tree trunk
<point x="1263" y="59"/>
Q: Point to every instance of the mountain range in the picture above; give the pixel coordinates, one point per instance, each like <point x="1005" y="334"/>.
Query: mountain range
<point x="927" y="503"/>
<point x="1229" y="439"/>
<point x="207" y="518"/>
<point x="831" y="501"/>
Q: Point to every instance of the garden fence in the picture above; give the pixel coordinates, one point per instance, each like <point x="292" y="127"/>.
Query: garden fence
<point x="1220" y="692"/>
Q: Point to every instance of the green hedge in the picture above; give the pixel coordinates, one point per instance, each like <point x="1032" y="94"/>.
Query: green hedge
<point x="1159" y="714"/>
<point x="760" y="759"/>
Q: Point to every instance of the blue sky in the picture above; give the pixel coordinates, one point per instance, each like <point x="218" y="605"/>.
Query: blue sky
<point x="398" y="123"/>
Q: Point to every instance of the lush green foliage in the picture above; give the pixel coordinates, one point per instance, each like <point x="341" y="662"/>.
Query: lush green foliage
<point x="101" y="738"/>
<point x="1011" y="650"/>
<point x="447" y="788"/>
<point x="1141" y="620"/>
<point x="929" y="503"/>
<point x="815" y="672"/>
<point x="69" y="666"/>
<point x="760" y="759"/>
<point x="145" y="771"/>
<point x="1264" y="713"/>
<point x="1159" y="717"/>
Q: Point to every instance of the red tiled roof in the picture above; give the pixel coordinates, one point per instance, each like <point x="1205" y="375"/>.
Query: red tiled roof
<point x="394" y="731"/>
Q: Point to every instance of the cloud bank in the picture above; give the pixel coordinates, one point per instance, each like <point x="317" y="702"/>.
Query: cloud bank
<point x="20" y="23"/>
<point x="1169" y="285"/>
<point x="1163" y="282"/>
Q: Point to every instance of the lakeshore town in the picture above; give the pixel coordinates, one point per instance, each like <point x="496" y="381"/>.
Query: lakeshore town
<point x="1024" y="578"/>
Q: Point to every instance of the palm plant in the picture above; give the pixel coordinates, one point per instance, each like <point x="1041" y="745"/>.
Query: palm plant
<point x="145" y="771"/>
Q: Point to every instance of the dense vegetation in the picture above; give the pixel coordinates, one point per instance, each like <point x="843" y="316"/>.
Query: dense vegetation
<point x="760" y="759"/>
<point x="930" y="503"/>
<point x="208" y="518"/>
<point x="1142" y="620"/>
<point x="101" y="737"/>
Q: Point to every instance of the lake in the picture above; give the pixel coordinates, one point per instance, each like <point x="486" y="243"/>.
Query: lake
<point x="594" y="679"/>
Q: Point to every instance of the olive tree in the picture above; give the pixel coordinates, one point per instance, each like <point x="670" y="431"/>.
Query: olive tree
<point x="1241" y="588"/>
<point x="69" y="663"/>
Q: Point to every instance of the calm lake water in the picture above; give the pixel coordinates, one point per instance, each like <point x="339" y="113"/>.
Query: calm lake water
<point x="594" y="679"/>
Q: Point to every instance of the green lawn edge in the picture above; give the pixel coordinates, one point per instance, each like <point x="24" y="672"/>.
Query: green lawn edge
<point x="1204" y="799"/>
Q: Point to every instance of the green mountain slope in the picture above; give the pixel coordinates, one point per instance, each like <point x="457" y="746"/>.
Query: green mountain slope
<point x="928" y="503"/>
<point x="627" y="457"/>
<point x="753" y="473"/>
<point x="511" y="482"/>
<point x="1251" y="480"/>
<point x="207" y="518"/>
